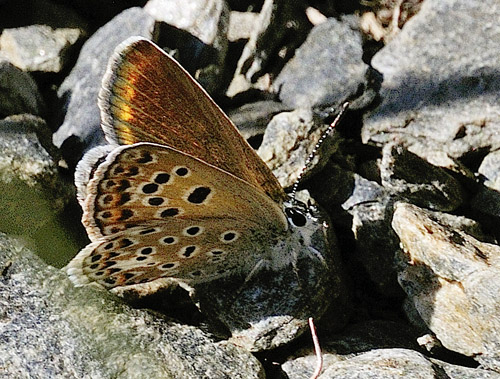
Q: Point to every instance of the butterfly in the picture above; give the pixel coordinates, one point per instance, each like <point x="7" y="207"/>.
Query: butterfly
<point x="178" y="193"/>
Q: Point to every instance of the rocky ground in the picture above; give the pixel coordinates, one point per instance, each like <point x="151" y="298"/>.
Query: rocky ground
<point x="409" y="180"/>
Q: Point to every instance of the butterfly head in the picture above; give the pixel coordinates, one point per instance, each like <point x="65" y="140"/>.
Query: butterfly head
<point x="304" y="219"/>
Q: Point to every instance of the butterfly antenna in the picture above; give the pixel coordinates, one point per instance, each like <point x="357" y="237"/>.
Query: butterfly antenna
<point x="315" y="150"/>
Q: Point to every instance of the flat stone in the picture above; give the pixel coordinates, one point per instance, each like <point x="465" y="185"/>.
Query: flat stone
<point x="80" y="88"/>
<point x="440" y="91"/>
<point x="39" y="47"/>
<point x="452" y="280"/>
<point x="53" y="329"/>
<point x="413" y="178"/>
<point x="335" y="70"/>
<point x="18" y="92"/>
<point x="288" y="141"/>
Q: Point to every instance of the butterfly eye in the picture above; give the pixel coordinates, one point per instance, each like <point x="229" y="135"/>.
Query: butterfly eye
<point x="296" y="217"/>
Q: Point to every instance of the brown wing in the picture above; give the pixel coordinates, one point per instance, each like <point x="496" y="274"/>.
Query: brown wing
<point x="153" y="212"/>
<point x="148" y="97"/>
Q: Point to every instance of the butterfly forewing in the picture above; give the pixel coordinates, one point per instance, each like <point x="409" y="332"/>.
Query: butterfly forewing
<point x="147" y="96"/>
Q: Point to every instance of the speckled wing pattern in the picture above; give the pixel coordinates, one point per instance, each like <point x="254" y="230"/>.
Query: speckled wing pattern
<point x="152" y="212"/>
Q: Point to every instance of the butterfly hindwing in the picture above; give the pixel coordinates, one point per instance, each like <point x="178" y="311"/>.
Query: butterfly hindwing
<point x="182" y="249"/>
<point x="153" y="212"/>
<point x="148" y="97"/>
<point x="147" y="182"/>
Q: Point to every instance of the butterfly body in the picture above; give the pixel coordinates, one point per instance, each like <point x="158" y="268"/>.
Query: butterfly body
<point x="178" y="194"/>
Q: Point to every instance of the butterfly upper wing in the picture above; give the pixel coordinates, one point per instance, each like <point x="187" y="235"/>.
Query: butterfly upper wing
<point x="141" y="198"/>
<point x="147" y="96"/>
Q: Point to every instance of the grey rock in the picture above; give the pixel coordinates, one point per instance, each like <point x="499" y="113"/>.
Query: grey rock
<point x="242" y="82"/>
<point x="422" y="183"/>
<point x="452" y="279"/>
<point x="289" y="139"/>
<point x="279" y="29"/>
<point x="380" y="363"/>
<point x="34" y="194"/>
<point x="241" y="25"/>
<point x="251" y="119"/>
<point x="335" y="70"/>
<point x="375" y="349"/>
<point x="206" y="23"/>
<point x="376" y="243"/>
<point x="489" y="168"/>
<point x="41" y="12"/>
<point x="18" y="92"/>
<point x="80" y="88"/>
<point x="335" y="185"/>
<point x="440" y="90"/>
<point x="204" y="19"/>
<point x="52" y="329"/>
<point x="486" y="202"/>
<point x="38" y="47"/>
<point x="462" y="372"/>
<point x="366" y="209"/>
<point x="351" y="341"/>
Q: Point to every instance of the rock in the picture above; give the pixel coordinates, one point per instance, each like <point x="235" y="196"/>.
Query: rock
<point x="280" y="28"/>
<point x="201" y="18"/>
<point x="489" y="169"/>
<point x="452" y="279"/>
<point x="335" y="71"/>
<point x="440" y="91"/>
<point x="410" y="177"/>
<point x="241" y="25"/>
<point x="53" y="329"/>
<point x="34" y="194"/>
<point x="390" y="347"/>
<point x="202" y="49"/>
<point x="80" y="88"/>
<point x="18" y="92"/>
<point x="289" y="139"/>
<point x="383" y="363"/>
<point x="38" y="47"/>
<point x="56" y="15"/>
<point x="251" y="119"/>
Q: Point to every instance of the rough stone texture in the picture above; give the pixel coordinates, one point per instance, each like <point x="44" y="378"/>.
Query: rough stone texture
<point x="405" y="174"/>
<point x="51" y="329"/>
<point x="289" y="139"/>
<point x="34" y="193"/>
<point x="38" y="47"/>
<point x="241" y="25"/>
<point x="389" y="346"/>
<point x="252" y="119"/>
<point x="489" y="169"/>
<point x="18" y="92"/>
<point x="202" y="50"/>
<point x="452" y="279"/>
<point x="279" y="29"/>
<point x="80" y="88"/>
<point x="200" y="18"/>
<point x="440" y="90"/>
<point x="343" y="77"/>
<point x="439" y="96"/>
